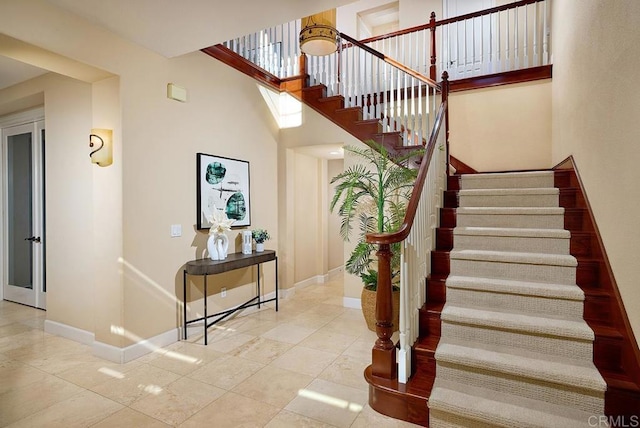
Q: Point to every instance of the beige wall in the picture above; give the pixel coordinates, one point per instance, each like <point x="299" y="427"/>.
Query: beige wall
<point x="596" y="119"/>
<point x="224" y="115"/>
<point x="335" y="244"/>
<point x="69" y="195"/>
<point x="502" y="128"/>
<point x="307" y="218"/>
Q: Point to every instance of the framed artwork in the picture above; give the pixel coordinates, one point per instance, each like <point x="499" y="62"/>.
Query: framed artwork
<point x="223" y="184"/>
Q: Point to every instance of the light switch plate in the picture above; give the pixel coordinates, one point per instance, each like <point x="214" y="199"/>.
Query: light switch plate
<point x="176" y="230"/>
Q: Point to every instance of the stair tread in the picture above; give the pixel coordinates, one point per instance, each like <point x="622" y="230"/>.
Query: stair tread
<point x="501" y="175"/>
<point x="529" y="323"/>
<point x="331" y="98"/>
<point x="552" y="369"/>
<point x="510" y="191"/>
<point x="514" y="257"/>
<point x="472" y="402"/>
<point x="540" y="289"/>
<point x="511" y="210"/>
<point x="512" y="232"/>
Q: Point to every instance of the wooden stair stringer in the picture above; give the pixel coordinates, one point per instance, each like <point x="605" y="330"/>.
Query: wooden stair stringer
<point x="615" y="353"/>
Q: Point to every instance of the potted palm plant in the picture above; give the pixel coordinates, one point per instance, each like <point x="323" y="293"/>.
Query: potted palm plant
<point x="372" y="195"/>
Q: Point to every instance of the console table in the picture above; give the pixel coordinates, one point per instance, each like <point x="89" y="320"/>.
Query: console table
<point x="206" y="267"/>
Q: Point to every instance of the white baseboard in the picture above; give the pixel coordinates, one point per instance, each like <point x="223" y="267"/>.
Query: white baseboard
<point x="351" y="302"/>
<point x="69" y="332"/>
<point x="318" y="279"/>
<point x="136" y="350"/>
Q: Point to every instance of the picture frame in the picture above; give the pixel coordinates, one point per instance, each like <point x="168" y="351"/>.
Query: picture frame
<point x="222" y="184"/>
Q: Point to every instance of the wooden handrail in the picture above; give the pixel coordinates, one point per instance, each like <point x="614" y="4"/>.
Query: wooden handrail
<point x="383" y="353"/>
<point x="424" y="79"/>
<point x="412" y="207"/>
<point x="450" y="20"/>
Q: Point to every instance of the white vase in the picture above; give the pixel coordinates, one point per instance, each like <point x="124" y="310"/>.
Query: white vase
<point x="218" y="246"/>
<point x="259" y="247"/>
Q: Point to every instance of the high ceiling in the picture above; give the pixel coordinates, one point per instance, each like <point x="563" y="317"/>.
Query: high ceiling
<point x="172" y="28"/>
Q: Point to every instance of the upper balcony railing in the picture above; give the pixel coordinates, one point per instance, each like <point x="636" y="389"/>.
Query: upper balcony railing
<point x="504" y="38"/>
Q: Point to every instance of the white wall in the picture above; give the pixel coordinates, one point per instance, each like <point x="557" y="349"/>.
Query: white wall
<point x="595" y="119"/>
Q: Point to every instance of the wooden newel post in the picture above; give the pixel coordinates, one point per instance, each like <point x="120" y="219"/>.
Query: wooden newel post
<point x="432" y="69"/>
<point x="445" y="97"/>
<point x="302" y="66"/>
<point x="384" y="352"/>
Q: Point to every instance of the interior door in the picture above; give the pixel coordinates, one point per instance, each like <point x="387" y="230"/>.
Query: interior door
<point x="466" y="42"/>
<point x="23" y="216"/>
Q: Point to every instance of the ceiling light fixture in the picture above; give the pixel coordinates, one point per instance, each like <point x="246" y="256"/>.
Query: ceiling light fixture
<point x="319" y="35"/>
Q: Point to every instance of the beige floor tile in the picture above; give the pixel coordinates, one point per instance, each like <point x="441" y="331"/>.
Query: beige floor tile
<point x="136" y="384"/>
<point x="347" y="325"/>
<point x="273" y="385"/>
<point x="184" y="358"/>
<point x="128" y="418"/>
<point x="348" y="371"/>
<point x="14" y="374"/>
<point x="360" y="349"/>
<point x="15" y="345"/>
<point x="312" y="320"/>
<point x="289" y="333"/>
<point x="303" y="360"/>
<point x="60" y="360"/>
<point x="286" y="419"/>
<point x="370" y="418"/>
<point x="81" y="410"/>
<point x="13" y="329"/>
<point x="226" y="372"/>
<point x="178" y="401"/>
<point x="233" y="411"/>
<point x="328" y="340"/>
<point x="226" y="341"/>
<point x="262" y="350"/>
<point x="90" y="374"/>
<point x="18" y="403"/>
<point x="329" y="402"/>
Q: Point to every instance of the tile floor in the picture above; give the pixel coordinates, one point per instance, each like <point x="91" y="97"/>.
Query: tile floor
<point x="299" y="367"/>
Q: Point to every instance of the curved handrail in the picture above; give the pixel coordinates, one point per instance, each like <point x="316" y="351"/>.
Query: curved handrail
<point x="412" y="207"/>
<point x="450" y="20"/>
<point x="424" y="79"/>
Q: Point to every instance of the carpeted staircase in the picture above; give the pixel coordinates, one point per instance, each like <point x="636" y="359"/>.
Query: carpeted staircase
<point x="514" y="349"/>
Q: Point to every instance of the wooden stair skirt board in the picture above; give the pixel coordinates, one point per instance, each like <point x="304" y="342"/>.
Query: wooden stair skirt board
<point x="607" y="343"/>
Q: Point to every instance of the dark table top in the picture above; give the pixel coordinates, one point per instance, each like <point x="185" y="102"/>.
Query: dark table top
<point x="233" y="261"/>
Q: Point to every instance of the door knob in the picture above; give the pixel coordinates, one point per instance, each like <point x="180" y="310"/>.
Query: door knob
<point x="33" y="239"/>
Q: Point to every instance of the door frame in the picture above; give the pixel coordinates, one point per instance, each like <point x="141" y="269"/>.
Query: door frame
<point x="35" y="117"/>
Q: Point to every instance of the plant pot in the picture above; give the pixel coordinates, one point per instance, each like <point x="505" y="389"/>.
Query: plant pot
<point x="259" y="247"/>
<point x="368" y="302"/>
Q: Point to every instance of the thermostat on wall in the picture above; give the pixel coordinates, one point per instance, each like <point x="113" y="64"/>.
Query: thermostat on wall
<point x="176" y="92"/>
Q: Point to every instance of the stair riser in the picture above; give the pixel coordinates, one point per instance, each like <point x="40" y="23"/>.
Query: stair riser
<point x="507" y="182"/>
<point x="508" y="220"/>
<point x="523" y="304"/>
<point x="520" y="200"/>
<point x="516" y="271"/>
<point x="581" y="399"/>
<point x="563" y="347"/>
<point x="512" y="243"/>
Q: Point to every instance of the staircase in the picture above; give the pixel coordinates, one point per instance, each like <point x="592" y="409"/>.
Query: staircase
<point x="521" y="307"/>
<point x="514" y="349"/>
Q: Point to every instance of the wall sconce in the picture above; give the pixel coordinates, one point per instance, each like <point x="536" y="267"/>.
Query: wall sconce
<point x="319" y="35"/>
<point x="101" y="140"/>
